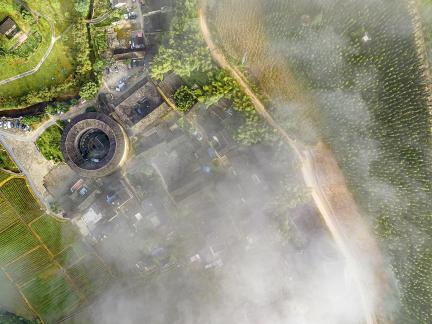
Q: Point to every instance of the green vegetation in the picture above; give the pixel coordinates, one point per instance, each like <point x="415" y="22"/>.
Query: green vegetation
<point x="49" y="143"/>
<point x="18" y="195"/>
<point x="185" y="53"/>
<point x="11" y="299"/>
<point x="82" y="6"/>
<point x="425" y="10"/>
<point x="11" y="49"/>
<point x="89" y="90"/>
<point x="67" y="67"/>
<point x="42" y="258"/>
<point x="55" y="234"/>
<point x="185" y="98"/>
<point x="9" y="318"/>
<point x="101" y="7"/>
<point x="6" y="162"/>
<point x="51" y="294"/>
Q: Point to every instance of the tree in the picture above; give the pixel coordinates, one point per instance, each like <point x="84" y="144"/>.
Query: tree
<point x="185" y="98"/>
<point x="89" y="90"/>
<point x="82" y="6"/>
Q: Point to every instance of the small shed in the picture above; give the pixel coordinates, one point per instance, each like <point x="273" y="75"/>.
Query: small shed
<point x="8" y="27"/>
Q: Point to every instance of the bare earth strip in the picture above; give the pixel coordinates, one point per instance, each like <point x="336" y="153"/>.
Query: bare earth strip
<point x="333" y="199"/>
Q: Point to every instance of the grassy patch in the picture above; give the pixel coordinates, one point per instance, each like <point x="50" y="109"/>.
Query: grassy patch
<point x="6" y="162"/>
<point x="64" y="69"/>
<point x="49" y="143"/>
<point x="101" y="7"/>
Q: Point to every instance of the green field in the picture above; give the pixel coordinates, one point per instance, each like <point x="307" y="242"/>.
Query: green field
<point x="65" y="68"/>
<point x="42" y="258"/>
<point x="49" y="143"/>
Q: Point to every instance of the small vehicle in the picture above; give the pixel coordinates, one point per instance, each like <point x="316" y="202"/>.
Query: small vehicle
<point x="121" y="86"/>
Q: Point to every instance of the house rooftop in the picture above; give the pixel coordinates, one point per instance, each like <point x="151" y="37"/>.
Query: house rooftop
<point x="8" y="27"/>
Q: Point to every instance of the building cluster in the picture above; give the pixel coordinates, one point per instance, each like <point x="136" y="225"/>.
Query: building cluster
<point x="179" y="166"/>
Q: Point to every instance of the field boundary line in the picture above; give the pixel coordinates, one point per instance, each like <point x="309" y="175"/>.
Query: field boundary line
<point x="22" y="295"/>
<point x="54" y="261"/>
<point x="11" y="225"/>
<point x="67" y="276"/>
<point x="22" y="255"/>
<point x="4" y="181"/>
<point x="67" y="247"/>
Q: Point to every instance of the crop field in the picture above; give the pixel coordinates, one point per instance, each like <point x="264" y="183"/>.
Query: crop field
<point x="56" y="75"/>
<point x="18" y="195"/>
<point x="351" y="70"/>
<point x="46" y="269"/>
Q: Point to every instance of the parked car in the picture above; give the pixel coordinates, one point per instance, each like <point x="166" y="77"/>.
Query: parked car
<point x="121" y="86"/>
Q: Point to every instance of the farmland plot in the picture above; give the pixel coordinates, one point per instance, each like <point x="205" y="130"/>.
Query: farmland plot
<point x="16" y="192"/>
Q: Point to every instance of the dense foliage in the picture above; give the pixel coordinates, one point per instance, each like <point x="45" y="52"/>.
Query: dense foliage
<point x="185" y="98"/>
<point x="49" y="144"/>
<point x="82" y="6"/>
<point x="89" y="90"/>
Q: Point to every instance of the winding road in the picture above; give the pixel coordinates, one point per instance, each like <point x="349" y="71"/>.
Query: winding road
<point x="353" y="245"/>
<point x="47" y="53"/>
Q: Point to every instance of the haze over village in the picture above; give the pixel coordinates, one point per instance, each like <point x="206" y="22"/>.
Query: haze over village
<point x="230" y="161"/>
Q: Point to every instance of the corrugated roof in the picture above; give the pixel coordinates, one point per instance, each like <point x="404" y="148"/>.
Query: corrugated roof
<point x="6" y="24"/>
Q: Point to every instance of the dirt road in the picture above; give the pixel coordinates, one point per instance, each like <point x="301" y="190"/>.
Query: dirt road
<point x="331" y="196"/>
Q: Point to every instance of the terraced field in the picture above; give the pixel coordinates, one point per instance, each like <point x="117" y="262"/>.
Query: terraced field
<point x="46" y="269"/>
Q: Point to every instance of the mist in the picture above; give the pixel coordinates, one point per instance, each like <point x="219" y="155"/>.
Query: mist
<point x="250" y="246"/>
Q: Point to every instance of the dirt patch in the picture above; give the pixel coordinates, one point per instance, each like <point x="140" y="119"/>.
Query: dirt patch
<point x="32" y="163"/>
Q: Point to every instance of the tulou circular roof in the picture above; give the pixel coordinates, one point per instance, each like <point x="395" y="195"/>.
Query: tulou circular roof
<point x="94" y="145"/>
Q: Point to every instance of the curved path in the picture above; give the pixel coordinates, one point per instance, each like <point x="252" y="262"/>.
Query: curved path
<point x="333" y="219"/>
<point x="44" y="57"/>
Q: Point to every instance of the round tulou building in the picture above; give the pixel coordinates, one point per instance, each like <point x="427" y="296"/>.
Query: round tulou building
<point x="94" y="145"/>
